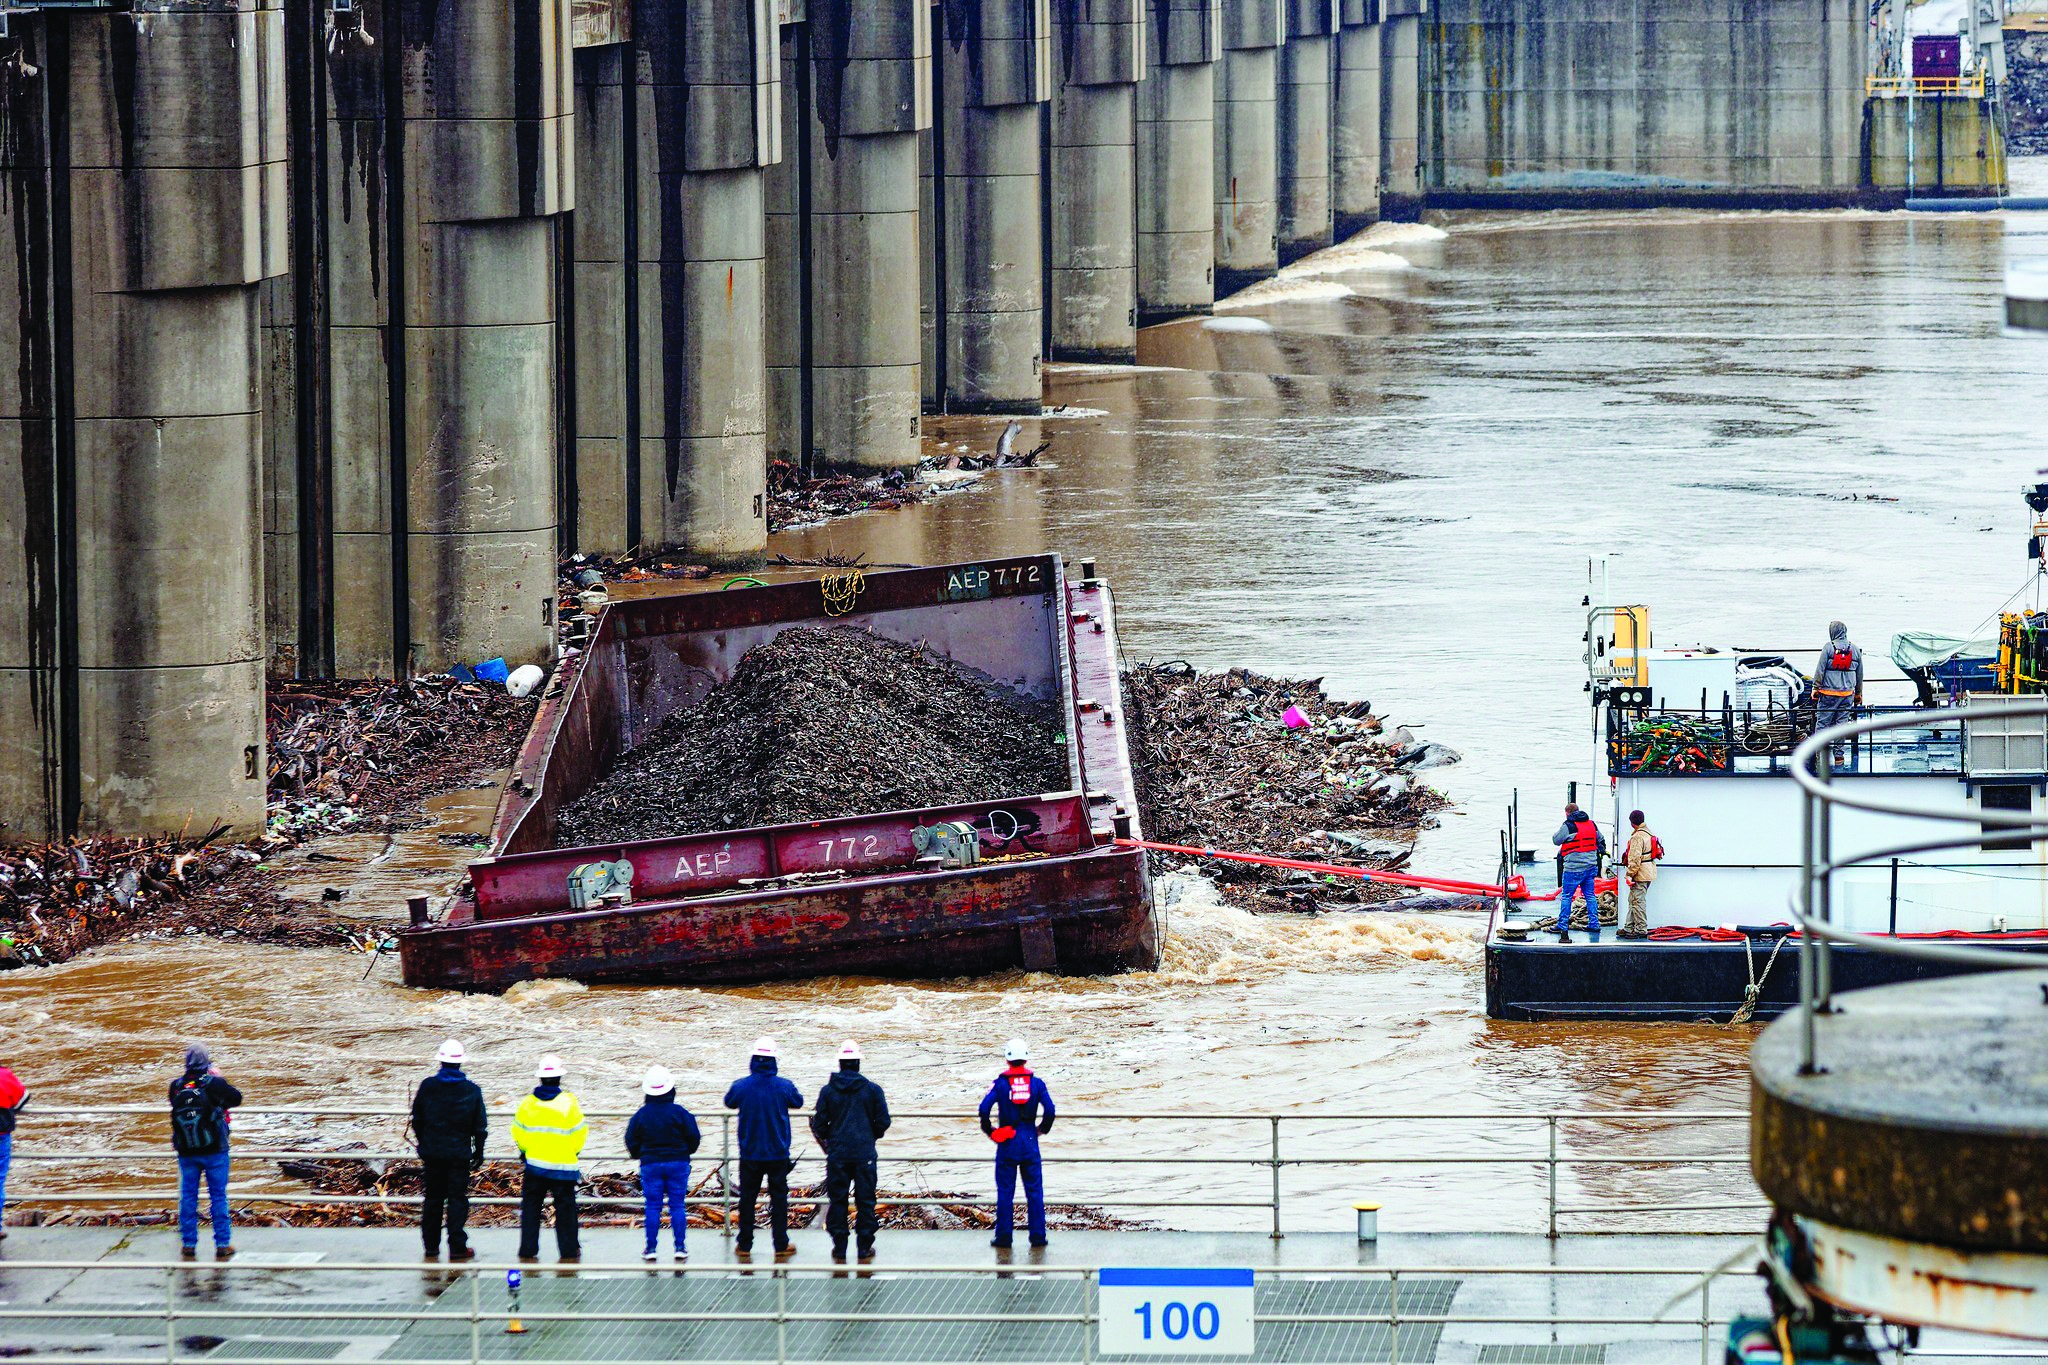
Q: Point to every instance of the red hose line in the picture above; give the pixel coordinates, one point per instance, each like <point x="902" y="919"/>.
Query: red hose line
<point x="1516" y="887"/>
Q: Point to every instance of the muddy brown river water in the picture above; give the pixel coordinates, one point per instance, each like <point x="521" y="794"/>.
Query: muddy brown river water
<point x="1389" y="468"/>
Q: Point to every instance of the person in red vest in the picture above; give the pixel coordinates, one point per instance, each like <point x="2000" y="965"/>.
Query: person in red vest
<point x="13" y="1095"/>
<point x="1014" y="1112"/>
<point x="1838" y="680"/>
<point x="1581" y="843"/>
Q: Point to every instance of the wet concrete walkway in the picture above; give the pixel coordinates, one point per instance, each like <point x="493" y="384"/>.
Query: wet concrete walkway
<point x="363" y="1295"/>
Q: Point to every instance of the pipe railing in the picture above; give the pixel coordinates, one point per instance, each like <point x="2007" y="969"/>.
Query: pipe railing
<point x="491" y="1322"/>
<point x="1812" y="899"/>
<point x="1273" y="1157"/>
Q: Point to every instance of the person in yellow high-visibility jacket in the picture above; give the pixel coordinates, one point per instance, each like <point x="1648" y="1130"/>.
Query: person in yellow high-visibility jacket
<point x="549" y="1132"/>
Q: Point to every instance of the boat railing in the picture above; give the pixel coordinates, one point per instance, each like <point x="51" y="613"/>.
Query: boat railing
<point x="1729" y="739"/>
<point x="1265" y="1168"/>
<point x="1815" y="769"/>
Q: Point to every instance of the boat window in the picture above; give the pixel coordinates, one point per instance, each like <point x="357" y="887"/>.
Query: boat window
<point x="2005" y="796"/>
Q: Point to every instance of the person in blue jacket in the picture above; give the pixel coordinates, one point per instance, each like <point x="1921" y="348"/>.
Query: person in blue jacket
<point x="662" y="1136"/>
<point x="1014" y="1112"/>
<point x="764" y="1100"/>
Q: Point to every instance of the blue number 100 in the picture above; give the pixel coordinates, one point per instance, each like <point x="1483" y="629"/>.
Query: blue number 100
<point x="1175" y="1320"/>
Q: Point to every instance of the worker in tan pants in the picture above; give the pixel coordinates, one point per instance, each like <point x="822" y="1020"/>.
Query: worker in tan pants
<point x="1640" y="861"/>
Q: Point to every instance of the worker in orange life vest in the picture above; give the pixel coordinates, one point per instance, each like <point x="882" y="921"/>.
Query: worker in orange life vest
<point x="1014" y="1112"/>
<point x="1838" y="680"/>
<point x="1582" y="844"/>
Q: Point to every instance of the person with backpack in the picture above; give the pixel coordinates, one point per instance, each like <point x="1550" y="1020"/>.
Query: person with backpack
<point x="202" y="1102"/>
<point x="1838" y="681"/>
<point x="1024" y="1107"/>
<point x="13" y="1095"/>
<point x="1581" y="843"/>
<point x="662" y="1137"/>
<point x="764" y="1100"/>
<point x="449" y="1123"/>
<point x="549" y="1131"/>
<point x="849" y="1114"/>
<point x="1640" y="858"/>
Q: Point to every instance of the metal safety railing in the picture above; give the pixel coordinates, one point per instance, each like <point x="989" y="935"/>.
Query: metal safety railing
<point x="1543" y="1155"/>
<point x="501" y="1327"/>
<point x="1900" y="86"/>
<point x="1812" y="900"/>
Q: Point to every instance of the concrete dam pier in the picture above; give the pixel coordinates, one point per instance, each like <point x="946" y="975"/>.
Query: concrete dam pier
<point x="334" y="325"/>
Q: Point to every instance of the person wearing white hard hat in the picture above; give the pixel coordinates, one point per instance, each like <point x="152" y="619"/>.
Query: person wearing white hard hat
<point x="1014" y="1112"/>
<point x="764" y="1100"/>
<point x="849" y="1114"/>
<point x="549" y="1132"/>
<point x="662" y="1136"/>
<point x="449" y="1123"/>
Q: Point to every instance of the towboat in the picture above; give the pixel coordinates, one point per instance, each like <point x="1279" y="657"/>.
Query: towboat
<point x="1701" y="740"/>
<point x="1028" y="880"/>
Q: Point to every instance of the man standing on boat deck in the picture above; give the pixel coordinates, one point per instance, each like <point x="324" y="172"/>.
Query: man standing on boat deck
<point x="1640" y="858"/>
<point x="1582" y="843"/>
<point x="1837" y="680"/>
<point x="850" y="1113"/>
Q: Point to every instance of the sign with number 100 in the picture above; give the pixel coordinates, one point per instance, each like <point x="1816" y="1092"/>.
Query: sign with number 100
<point x="1175" y="1312"/>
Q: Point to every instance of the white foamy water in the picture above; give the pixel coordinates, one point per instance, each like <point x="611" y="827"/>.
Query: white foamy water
<point x="1283" y="289"/>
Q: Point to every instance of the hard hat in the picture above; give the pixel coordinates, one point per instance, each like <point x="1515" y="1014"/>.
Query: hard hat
<point x="764" y="1046"/>
<point x="849" y="1051"/>
<point x="550" y="1068"/>
<point x="1016" y="1051"/>
<point x="659" y="1081"/>
<point x="450" y="1053"/>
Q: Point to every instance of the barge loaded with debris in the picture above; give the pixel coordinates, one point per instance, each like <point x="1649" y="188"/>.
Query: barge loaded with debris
<point x="688" y="714"/>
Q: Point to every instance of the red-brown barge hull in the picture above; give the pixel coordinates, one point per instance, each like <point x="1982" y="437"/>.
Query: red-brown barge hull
<point x="717" y="908"/>
<point x="1080" y="915"/>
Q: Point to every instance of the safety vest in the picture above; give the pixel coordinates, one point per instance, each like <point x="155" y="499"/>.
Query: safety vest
<point x="1585" y="836"/>
<point x="550" y="1134"/>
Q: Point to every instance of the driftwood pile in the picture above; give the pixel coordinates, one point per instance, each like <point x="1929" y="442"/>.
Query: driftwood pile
<point x="797" y="499"/>
<point x="1220" y="767"/>
<point x="819" y="723"/>
<point x="342" y="756"/>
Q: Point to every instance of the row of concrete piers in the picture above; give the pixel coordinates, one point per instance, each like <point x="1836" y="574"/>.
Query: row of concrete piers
<point x="334" y="324"/>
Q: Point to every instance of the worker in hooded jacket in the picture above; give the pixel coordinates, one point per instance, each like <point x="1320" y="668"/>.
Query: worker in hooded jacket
<point x="846" y="1118"/>
<point x="1838" y="680"/>
<point x="1016" y="1110"/>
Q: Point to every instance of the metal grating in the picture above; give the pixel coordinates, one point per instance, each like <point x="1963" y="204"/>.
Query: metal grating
<point x="686" y="1336"/>
<point x="1541" y="1353"/>
<point x="279" y="1348"/>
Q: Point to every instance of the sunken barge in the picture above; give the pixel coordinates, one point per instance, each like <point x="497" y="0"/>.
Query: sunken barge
<point x="1033" y="881"/>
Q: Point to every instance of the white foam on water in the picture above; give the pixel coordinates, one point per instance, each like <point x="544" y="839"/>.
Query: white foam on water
<point x="1236" y="324"/>
<point x="1345" y="258"/>
<point x="541" y="992"/>
<point x="1390" y="234"/>
<point x="1210" y="940"/>
<point x="1282" y="289"/>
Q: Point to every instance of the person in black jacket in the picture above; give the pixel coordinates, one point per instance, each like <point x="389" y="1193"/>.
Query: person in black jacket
<point x="764" y="1100"/>
<point x="448" y="1126"/>
<point x="200" y="1101"/>
<point x="662" y="1137"/>
<point x="850" y="1113"/>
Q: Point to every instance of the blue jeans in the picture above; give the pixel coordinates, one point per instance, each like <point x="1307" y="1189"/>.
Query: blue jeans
<point x="6" y="1159"/>
<point x="214" y="1166"/>
<point x="670" y="1181"/>
<point x="1007" y="1171"/>
<point x="1581" y="882"/>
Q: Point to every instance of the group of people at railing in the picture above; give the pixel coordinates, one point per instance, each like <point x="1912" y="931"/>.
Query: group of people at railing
<point x="450" y="1122"/>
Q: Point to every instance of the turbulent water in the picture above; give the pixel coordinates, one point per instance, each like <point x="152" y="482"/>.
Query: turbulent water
<point x="1389" y="468"/>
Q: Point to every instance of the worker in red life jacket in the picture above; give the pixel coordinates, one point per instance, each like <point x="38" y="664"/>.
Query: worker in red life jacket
<point x="1581" y="843"/>
<point x="1838" y="680"/>
<point x="1014" y="1112"/>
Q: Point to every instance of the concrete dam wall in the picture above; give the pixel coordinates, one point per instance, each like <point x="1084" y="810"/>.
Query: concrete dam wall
<point x="1638" y="102"/>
